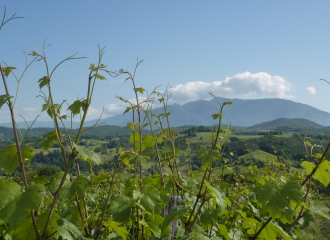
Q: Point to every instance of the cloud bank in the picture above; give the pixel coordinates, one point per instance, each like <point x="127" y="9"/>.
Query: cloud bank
<point x="239" y="85"/>
<point x="311" y="90"/>
<point x="120" y="107"/>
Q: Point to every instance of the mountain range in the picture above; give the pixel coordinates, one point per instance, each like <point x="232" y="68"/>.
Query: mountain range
<point x="242" y="113"/>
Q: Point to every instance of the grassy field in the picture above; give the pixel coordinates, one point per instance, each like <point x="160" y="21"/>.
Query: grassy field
<point x="259" y="155"/>
<point x="205" y="137"/>
<point x="49" y="150"/>
<point x="320" y="229"/>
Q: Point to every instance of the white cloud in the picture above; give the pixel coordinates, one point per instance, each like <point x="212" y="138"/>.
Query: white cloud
<point x="120" y="107"/>
<point x="95" y="113"/>
<point x="241" y="84"/>
<point x="311" y="90"/>
<point x="29" y="109"/>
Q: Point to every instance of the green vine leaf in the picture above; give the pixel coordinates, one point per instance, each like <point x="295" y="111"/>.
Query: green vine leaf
<point x="120" y="208"/>
<point x="115" y="226"/>
<point x="52" y="109"/>
<point x="155" y="223"/>
<point x="217" y="195"/>
<point x="92" y="67"/>
<point x="137" y="139"/>
<point x="79" y="185"/>
<point x="271" y="231"/>
<point x="44" y="81"/>
<point x="224" y="231"/>
<point x="8" y="192"/>
<point x="147" y="142"/>
<point x="208" y="156"/>
<point x="88" y="154"/>
<point x="133" y="126"/>
<point x="10" y="159"/>
<point x="8" y="70"/>
<point x="206" y="218"/>
<point x="25" y="231"/>
<point x="62" y="233"/>
<point x="216" y="116"/>
<point x="140" y="90"/>
<point x="306" y="220"/>
<point x="48" y="141"/>
<point x="74" y="231"/>
<point x="15" y="212"/>
<point x="100" y="77"/>
<point x="172" y="215"/>
<point x="55" y="183"/>
<point x="77" y="106"/>
<point x="322" y="173"/>
<point x="150" y="198"/>
<point x="4" y="99"/>
<point x="275" y="199"/>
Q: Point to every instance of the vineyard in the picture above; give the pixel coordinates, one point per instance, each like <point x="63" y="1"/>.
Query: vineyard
<point x="272" y="202"/>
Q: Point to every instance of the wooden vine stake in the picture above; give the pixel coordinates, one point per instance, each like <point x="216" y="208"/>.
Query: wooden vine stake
<point x="174" y="202"/>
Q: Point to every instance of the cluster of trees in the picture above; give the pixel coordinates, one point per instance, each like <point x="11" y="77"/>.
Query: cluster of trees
<point x="270" y="132"/>
<point x="243" y="132"/>
<point x="154" y="169"/>
<point x="192" y="132"/>
<point x="114" y="142"/>
<point x="290" y="149"/>
<point x="7" y="142"/>
<point x="54" y="160"/>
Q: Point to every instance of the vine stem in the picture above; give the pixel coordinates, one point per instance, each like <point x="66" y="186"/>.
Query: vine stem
<point x="78" y="170"/>
<point x="19" y="149"/>
<point x="57" y="196"/>
<point x="198" y="197"/>
<point x="197" y="213"/>
<point x="132" y="77"/>
<point x="72" y="156"/>
<point x="169" y="130"/>
<point x="189" y="159"/>
<point x="158" y="155"/>
<point x="98" y="232"/>
<point x="300" y="215"/>
<point x="262" y="228"/>
<point x="208" y="169"/>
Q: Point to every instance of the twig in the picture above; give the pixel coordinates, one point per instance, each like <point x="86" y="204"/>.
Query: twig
<point x="18" y="148"/>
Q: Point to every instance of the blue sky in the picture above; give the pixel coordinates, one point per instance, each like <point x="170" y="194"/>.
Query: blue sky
<point x="239" y="49"/>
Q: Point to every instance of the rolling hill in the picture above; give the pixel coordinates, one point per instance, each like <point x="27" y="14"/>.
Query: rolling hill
<point x="6" y="133"/>
<point x="285" y="122"/>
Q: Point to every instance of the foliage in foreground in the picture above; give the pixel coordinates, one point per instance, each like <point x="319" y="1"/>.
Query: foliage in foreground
<point x="269" y="204"/>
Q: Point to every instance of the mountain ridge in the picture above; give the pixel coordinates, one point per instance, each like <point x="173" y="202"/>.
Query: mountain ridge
<point x="285" y="122"/>
<point x="244" y="112"/>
